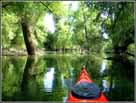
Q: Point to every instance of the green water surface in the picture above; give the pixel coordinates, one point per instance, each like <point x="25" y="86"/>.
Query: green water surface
<point x="50" y="77"/>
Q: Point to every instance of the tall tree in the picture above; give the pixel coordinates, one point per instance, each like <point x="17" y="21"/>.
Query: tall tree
<point x="26" y="15"/>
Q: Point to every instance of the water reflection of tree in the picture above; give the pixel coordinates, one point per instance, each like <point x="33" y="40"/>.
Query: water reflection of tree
<point x="92" y="64"/>
<point x="35" y="68"/>
<point x="121" y="79"/>
<point x="58" y="92"/>
<point x="12" y="70"/>
<point x="27" y="76"/>
<point x="32" y="78"/>
<point x="64" y="65"/>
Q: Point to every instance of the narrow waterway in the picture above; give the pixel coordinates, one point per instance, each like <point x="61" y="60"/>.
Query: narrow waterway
<point x="50" y="77"/>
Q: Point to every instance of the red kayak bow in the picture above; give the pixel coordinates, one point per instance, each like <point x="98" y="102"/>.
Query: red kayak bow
<point x="84" y="78"/>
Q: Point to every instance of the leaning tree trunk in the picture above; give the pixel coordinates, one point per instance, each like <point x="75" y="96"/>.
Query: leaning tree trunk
<point x="27" y="36"/>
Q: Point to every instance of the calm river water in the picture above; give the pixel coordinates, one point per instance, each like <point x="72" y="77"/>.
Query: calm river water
<point x="50" y="77"/>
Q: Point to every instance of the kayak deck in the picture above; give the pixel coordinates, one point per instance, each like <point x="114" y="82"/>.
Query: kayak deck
<point x="84" y="78"/>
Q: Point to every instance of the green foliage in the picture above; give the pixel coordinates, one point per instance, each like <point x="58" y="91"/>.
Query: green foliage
<point x="12" y="31"/>
<point x="118" y="24"/>
<point x="9" y="29"/>
<point x="50" y="41"/>
<point x="108" y="46"/>
<point x="131" y="48"/>
<point x="82" y="28"/>
<point x="131" y="52"/>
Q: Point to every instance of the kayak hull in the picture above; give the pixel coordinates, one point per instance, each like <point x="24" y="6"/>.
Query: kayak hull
<point x="84" y="77"/>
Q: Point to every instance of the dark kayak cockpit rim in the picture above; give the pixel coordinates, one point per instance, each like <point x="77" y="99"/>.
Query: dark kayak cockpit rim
<point x="86" y="90"/>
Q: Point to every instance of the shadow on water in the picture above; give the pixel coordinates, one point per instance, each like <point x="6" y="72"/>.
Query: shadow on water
<point x="50" y="77"/>
<point x="121" y="79"/>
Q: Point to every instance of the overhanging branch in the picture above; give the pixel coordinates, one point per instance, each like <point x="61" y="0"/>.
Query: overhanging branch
<point x="48" y="8"/>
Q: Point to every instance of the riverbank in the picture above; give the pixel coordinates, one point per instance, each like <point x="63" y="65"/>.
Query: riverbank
<point x="41" y="51"/>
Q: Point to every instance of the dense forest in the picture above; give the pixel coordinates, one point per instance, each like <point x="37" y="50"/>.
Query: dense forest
<point x="65" y="36"/>
<point x="33" y="27"/>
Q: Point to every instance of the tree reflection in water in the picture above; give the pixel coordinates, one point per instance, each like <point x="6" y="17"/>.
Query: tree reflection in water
<point x="49" y="78"/>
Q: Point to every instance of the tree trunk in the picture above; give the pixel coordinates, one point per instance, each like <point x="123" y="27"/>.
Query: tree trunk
<point x="85" y="28"/>
<point x="27" y="36"/>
